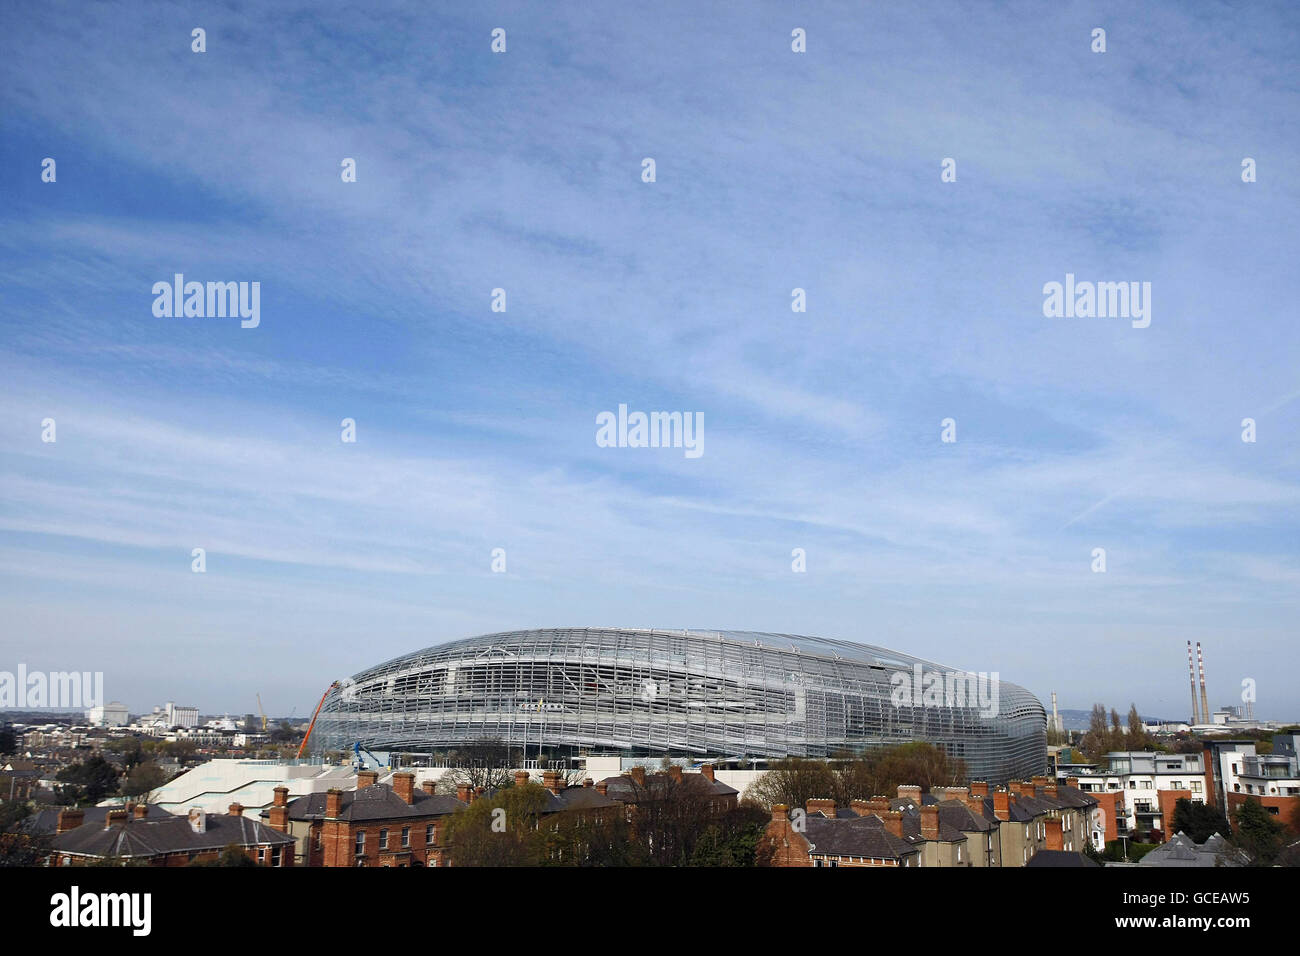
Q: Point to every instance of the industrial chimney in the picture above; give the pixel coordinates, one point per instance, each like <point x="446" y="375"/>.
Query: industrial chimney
<point x="1191" y="679"/>
<point x="1205" y="707"/>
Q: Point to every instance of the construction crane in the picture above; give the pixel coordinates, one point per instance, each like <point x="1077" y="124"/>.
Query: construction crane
<point x="307" y="736"/>
<point x="262" y="712"/>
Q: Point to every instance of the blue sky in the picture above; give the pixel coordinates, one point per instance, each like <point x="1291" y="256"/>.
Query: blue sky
<point x="476" y="430"/>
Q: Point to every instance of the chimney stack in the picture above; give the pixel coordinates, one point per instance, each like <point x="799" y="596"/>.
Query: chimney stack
<point x="115" y="816"/>
<point x="404" y="786"/>
<point x="281" y="797"/>
<point x="909" y="791"/>
<point x="1072" y="782"/>
<point x="1205" y="706"/>
<point x="821" y="805"/>
<point x="521" y="778"/>
<point x="1191" y="679"/>
<point x="70" y="819"/>
<point x="638" y="776"/>
<point x="429" y="786"/>
<point x="979" y="788"/>
<point x="602" y="788"/>
<point x="140" y="811"/>
<point x="586" y="782"/>
<point x="236" y="810"/>
<point x="1054" y="840"/>
<point x="707" y="770"/>
<point x="860" y="807"/>
<point x="893" y="822"/>
<point x="464" y="793"/>
<point x="930" y="822"/>
<point x="333" y="803"/>
<point x="1002" y="805"/>
<point x="780" y="813"/>
<point x="675" y="772"/>
<point x="366" y="778"/>
<point x="553" y="781"/>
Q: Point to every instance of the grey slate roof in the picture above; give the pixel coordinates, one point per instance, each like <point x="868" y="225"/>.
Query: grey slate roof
<point x="145" y="838"/>
<point x="859" y="837"/>
<point x="47" y="821"/>
<point x="375" y="802"/>
<point x="1182" y="851"/>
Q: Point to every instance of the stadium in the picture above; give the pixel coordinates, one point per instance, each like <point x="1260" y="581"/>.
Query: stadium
<point x="567" y="692"/>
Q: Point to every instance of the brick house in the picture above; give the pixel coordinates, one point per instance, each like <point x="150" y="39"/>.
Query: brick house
<point x="853" y="840"/>
<point x="637" y="789"/>
<point x="171" y="840"/>
<point x="374" y="825"/>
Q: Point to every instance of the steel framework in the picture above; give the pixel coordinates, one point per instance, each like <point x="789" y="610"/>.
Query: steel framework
<point x="570" y="691"/>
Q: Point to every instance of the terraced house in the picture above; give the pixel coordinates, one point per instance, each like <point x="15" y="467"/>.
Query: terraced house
<point x="949" y="827"/>
<point x="374" y="825"/>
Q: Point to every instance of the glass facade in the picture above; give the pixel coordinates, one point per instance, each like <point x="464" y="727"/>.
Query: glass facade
<point x="570" y="691"/>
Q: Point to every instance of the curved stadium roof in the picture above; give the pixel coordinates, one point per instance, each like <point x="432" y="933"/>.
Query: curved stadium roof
<point x="682" y="692"/>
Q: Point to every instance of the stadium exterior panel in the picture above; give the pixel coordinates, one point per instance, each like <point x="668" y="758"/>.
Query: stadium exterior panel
<point x="572" y="691"/>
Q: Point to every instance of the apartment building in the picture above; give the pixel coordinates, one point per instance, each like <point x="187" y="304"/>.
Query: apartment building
<point x="1151" y="784"/>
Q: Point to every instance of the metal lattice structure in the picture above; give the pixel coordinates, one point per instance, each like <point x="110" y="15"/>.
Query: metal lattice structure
<point x="569" y="691"/>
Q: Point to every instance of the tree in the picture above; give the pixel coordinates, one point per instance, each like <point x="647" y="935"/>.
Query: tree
<point x="488" y="763"/>
<point x="1259" y="833"/>
<point x="500" y="830"/>
<point x="8" y="740"/>
<point x="1199" y="820"/>
<point x="231" y="855"/>
<point x="143" y="780"/>
<point x="1096" y="742"/>
<point x="87" y="782"/>
<point x="1116" y="735"/>
<point x="792" y="781"/>
<point x="1137" y="733"/>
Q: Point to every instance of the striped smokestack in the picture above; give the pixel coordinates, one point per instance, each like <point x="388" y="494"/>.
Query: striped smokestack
<point x="1191" y="680"/>
<point x="1205" y="707"/>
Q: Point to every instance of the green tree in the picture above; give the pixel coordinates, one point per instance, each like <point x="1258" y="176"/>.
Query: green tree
<point x="1137" y="734"/>
<point x="143" y="780"/>
<point x="1199" y="821"/>
<point x="87" y="782"/>
<point x="231" y="855"/>
<point x="1259" y="833"/>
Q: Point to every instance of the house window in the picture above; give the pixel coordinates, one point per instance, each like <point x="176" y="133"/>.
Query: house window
<point x="383" y="839"/>
<point x="406" y="836"/>
<point x="361" y="843"/>
<point x="959" y="854"/>
<point x="276" y="856"/>
<point x="428" y="835"/>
